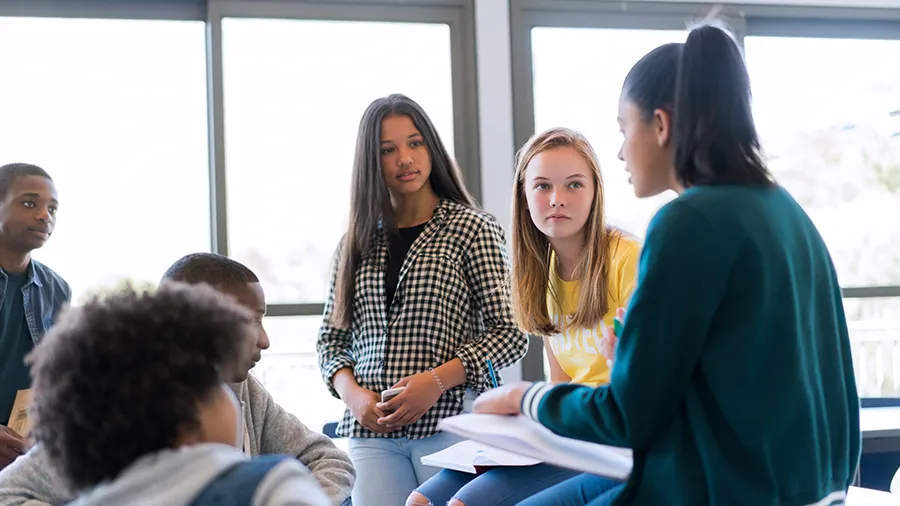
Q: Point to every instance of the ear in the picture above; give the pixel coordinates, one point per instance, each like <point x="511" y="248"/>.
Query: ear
<point x="662" y="127"/>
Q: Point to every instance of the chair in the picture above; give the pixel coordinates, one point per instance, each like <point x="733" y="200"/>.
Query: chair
<point x="330" y="430"/>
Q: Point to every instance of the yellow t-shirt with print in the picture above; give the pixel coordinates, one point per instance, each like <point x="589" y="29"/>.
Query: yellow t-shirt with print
<point x="578" y="350"/>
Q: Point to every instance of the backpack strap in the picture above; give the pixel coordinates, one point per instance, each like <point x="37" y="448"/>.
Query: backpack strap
<point x="236" y="485"/>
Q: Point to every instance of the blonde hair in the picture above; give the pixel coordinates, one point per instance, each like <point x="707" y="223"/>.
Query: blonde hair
<point x="531" y="248"/>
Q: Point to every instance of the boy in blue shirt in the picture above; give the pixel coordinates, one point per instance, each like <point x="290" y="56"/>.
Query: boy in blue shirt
<point x="31" y="294"/>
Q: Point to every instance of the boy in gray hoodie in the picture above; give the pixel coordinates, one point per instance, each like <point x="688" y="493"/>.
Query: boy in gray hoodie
<point x="268" y="429"/>
<point x="131" y="408"/>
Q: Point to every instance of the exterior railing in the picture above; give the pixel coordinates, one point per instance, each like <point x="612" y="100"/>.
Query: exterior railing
<point x="876" y="357"/>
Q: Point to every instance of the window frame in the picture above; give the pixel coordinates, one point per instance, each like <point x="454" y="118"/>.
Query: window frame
<point x="169" y="10"/>
<point x="744" y="19"/>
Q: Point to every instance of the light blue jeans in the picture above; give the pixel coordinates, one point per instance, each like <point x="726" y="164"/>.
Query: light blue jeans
<point x="388" y="470"/>
<point x="500" y="486"/>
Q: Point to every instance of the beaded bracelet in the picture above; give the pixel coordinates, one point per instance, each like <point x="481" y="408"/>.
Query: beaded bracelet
<point x="437" y="379"/>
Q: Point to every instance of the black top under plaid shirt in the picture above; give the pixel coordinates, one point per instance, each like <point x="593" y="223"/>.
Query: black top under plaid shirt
<point x="452" y="300"/>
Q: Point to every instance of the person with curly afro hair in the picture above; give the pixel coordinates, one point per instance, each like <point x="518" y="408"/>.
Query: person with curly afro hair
<point x="131" y="406"/>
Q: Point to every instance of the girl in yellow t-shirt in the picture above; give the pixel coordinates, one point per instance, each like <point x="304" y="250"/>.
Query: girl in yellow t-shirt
<point x="571" y="271"/>
<point x="570" y="274"/>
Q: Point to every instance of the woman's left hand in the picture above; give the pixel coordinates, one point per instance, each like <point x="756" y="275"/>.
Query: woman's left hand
<point x="422" y="392"/>
<point x="505" y="400"/>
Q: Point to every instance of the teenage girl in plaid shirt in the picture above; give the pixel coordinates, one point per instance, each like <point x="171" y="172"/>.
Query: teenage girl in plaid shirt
<point x="419" y="299"/>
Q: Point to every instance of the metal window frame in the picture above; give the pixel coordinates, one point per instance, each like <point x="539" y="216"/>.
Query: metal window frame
<point x="457" y="14"/>
<point x="170" y="10"/>
<point x="745" y="20"/>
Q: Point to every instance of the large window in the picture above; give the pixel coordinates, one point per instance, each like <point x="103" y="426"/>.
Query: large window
<point x="831" y="131"/>
<point x="115" y="111"/>
<point x="294" y="95"/>
<point x="578" y="75"/>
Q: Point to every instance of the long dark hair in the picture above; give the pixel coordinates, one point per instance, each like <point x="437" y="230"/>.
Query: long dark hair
<point x="704" y="86"/>
<point x="370" y="202"/>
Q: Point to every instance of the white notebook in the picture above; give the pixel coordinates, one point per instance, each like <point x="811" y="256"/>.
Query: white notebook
<point x="468" y="456"/>
<point x="523" y="436"/>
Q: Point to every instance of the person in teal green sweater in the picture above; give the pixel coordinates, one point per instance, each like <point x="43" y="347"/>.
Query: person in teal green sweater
<point x="733" y="381"/>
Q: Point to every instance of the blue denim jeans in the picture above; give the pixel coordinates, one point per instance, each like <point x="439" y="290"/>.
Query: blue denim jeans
<point x="500" y="486"/>
<point x="388" y="470"/>
<point x="582" y="490"/>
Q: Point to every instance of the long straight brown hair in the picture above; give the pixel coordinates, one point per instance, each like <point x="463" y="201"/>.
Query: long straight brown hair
<point x="531" y="249"/>
<point x="370" y="202"/>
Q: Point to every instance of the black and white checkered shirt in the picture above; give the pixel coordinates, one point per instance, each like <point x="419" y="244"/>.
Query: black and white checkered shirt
<point x="452" y="301"/>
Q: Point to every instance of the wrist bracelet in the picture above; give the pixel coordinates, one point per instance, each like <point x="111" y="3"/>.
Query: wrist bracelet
<point x="437" y="379"/>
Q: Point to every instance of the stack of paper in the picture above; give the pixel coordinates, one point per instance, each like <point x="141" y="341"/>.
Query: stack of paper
<point x="474" y="457"/>
<point x="528" y="438"/>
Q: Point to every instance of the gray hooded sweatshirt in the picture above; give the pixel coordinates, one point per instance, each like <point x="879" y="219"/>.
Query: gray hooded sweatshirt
<point x="268" y="428"/>
<point x="176" y="477"/>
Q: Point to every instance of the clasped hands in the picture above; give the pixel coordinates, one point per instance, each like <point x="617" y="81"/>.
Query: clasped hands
<point x="421" y="393"/>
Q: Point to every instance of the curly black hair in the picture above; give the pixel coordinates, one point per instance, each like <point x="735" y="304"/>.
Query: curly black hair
<point x="210" y="268"/>
<point x="121" y="377"/>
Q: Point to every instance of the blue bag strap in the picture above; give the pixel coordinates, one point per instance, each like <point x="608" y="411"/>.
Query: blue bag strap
<point x="236" y="485"/>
